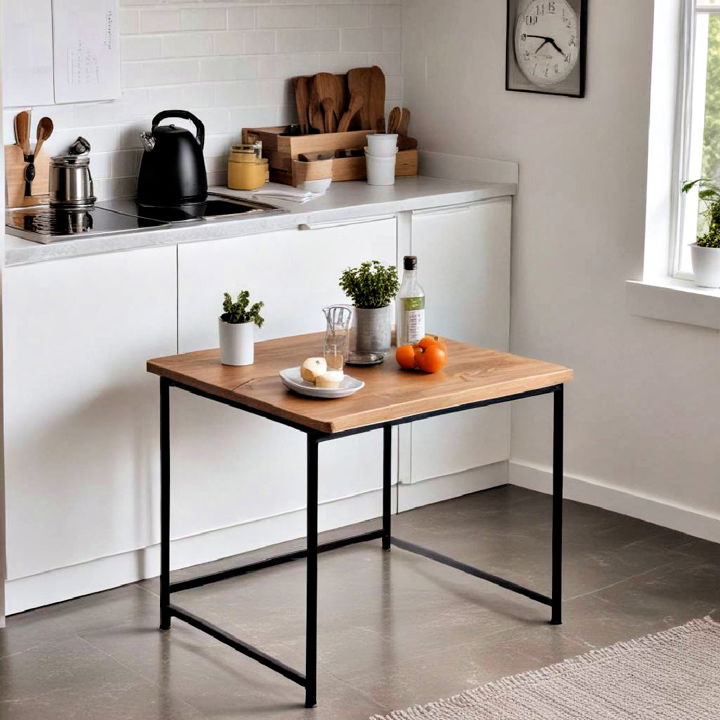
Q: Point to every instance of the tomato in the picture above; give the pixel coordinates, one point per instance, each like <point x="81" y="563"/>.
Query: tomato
<point x="405" y="356"/>
<point x="432" y="358"/>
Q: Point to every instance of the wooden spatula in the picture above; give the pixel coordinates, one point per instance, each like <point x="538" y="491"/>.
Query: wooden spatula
<point x="376" y="99"/>
<point x="359" y="84"/>
<point x="44" y="131"/>
<point x="22" y="131"/>
<point x="315" y="111"/>
<point x="302" y="100"/>
<point x="356" y="103"/>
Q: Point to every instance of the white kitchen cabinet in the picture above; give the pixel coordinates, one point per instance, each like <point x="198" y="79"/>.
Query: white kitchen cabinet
<point x="81" y="413"/>
<point x="464" y="266"/>
<point x="256" y="468"/>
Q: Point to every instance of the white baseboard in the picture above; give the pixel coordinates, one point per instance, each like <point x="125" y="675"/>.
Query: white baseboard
<point x="108" y="572"/>
<point x="435" y="490"/>
<point x="644" y="507"/>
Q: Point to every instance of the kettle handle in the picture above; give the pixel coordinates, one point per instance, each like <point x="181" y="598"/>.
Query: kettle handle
<point x="185" y="115"/>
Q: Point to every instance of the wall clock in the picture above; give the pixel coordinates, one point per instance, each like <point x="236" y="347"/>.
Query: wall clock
<point x="546" y="46"/>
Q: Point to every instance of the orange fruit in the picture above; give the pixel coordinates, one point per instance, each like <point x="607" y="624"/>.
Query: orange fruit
<point x="405" y="356"/>
<point x="431" y="358"/>
<point x="429" y="340"/>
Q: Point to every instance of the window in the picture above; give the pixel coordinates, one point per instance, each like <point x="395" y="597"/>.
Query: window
<point x="699" y="146"/>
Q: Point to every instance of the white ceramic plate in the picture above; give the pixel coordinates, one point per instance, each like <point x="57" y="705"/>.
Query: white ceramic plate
<point x="292" y="379"/>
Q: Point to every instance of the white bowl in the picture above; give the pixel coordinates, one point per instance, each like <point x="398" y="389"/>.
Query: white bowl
<point x="316" y="186"/>
<point x="292" y="379"/>
<point x="380" y="170"/>
<point x="382" y="144"/>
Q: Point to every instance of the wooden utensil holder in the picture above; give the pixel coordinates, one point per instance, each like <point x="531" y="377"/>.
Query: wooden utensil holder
<point x="15" y="165"/>
<point x="283" y="150"/>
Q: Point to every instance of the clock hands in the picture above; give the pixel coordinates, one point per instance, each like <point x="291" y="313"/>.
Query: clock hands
<point x="546" y="40"/>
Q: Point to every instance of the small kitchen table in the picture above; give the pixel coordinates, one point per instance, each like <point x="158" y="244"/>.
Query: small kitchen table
<point x="474" y="377"/>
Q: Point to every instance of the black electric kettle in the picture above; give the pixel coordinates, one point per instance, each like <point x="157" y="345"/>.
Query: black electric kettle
<point x="172" y="169"/>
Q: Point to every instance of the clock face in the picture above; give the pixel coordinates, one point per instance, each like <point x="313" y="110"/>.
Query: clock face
<point x="546" y="41"/>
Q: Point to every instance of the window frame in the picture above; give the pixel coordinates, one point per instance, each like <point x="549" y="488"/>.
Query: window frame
<point x="689" y="130"/>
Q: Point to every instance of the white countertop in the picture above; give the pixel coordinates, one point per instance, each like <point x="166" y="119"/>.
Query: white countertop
<point x="342" y="201"/>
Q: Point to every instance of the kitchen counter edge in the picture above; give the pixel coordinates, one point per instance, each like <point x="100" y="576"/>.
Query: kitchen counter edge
<point x="344" y="202"/>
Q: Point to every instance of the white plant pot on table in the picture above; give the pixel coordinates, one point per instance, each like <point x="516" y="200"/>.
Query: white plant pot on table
<point x="706" y="265"/>
<point x="237" y="343"/>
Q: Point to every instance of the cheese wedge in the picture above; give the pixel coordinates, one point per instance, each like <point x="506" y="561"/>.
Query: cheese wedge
<point x="330" y="379"/>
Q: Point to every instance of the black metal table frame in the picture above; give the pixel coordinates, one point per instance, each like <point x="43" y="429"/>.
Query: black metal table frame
<point x="308" y="680"/>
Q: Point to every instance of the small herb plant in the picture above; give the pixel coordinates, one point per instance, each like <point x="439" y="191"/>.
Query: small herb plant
<point x="372" y="285"/>
<point x="239" y="312"/>
<point x="709" y="193"/>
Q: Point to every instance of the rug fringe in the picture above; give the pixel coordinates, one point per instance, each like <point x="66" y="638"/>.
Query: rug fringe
<point x="513" y="682"/>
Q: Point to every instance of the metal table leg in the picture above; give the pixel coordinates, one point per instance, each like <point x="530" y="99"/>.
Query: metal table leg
<point x="312" y="555"/>
<point x="164" y="504"/>
<point x="387" y="485"/>
<point x="556" y="617"/>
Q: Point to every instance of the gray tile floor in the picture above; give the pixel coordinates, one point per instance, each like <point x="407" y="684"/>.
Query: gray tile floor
<point x="395" y="629"/>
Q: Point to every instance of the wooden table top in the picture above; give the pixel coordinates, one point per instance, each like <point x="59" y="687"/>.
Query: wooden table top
<point x="472" y="374"/>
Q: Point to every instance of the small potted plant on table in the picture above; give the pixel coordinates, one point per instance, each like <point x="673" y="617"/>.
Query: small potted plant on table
<point x="371" y="287"/>
<point x="237" y="329"/>
<point x="706" y="250"/>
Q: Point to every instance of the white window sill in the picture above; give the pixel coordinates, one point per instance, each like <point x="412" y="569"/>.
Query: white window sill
<point x="674" y="300"/>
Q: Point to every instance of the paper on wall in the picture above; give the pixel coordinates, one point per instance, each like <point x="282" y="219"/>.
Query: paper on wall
<point x="27" y="53"/>
<point x="86" y="50"/>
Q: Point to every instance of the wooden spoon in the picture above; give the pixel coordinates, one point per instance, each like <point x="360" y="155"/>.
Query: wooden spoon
<point x="44" y="131"/>
<point x="302" y="101"/>
<point x="22" y="131"/>
<point x="328" y="106"/>
<point x="394" y="120"/>
<point x="356" y="103"/>
<point x="359" y="84"/>
<point x="402" y="127"/>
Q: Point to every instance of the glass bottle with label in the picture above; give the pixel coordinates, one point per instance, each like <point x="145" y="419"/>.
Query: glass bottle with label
<point x="410" y="304"/>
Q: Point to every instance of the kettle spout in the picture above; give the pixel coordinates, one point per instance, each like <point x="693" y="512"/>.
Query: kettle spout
<point x="148" y="141"/>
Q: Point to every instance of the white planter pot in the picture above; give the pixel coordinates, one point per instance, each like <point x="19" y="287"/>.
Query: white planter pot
<point x="706" y="265"/>
<point x="237" y="343"/>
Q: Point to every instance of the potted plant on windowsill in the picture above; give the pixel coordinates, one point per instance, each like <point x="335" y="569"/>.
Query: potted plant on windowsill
<point x="371" y="287"/>
<point x="706" y="249"/>
<point x="237" y="329"/>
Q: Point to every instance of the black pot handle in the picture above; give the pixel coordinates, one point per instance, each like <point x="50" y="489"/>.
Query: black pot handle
<point x="185" y="115"/>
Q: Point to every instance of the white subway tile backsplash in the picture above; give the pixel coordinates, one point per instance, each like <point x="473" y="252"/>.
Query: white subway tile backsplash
<point x="343" y="16"/>
<point x="196" y="44"/>
<point x="229" y="62"/>
<point x="308" y="40"/>
<point x="361" y="39"/>
<point x="240" y="18"/>
<point x="287" y="16"/>
<point x="259" y="42"/>
<point x="203" y="19"/>
<point x="159" y="21"/>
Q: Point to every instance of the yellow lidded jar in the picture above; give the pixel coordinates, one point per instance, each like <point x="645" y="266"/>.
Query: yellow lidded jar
<point x="247" y="174"/>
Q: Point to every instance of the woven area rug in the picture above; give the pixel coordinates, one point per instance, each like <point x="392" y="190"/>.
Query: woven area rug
<point x="673" y="674"/>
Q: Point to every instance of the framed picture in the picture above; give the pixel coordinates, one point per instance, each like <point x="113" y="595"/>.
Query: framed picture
<point x="546" y="46"/>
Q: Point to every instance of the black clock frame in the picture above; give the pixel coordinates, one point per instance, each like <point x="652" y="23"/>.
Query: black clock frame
<point x="511" y="59"/>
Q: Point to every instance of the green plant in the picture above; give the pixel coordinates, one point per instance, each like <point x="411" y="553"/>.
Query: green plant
<point x="239" y="312"/>
<point x="372" y="285"/>
<point x="709" y="193"/>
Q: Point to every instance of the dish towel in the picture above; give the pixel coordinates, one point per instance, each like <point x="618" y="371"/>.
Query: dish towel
<point x="288" y="193"/>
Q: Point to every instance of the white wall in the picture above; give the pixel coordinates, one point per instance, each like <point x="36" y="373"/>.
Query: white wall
<point x="229" y="62"/>
<point x="642" y="413"/>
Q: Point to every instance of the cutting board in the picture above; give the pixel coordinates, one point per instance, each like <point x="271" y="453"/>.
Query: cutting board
<point x="370" y="84"/>
<point x="15" y="178"/>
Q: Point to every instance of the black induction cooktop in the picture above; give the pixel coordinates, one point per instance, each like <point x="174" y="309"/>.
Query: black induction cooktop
<point x="48" y="224"/>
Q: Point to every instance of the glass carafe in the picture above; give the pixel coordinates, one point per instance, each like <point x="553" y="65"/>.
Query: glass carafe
<point x="337" y="335"/>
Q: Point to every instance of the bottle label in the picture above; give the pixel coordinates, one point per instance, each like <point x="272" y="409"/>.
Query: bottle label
<point x="414" y="309"/>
